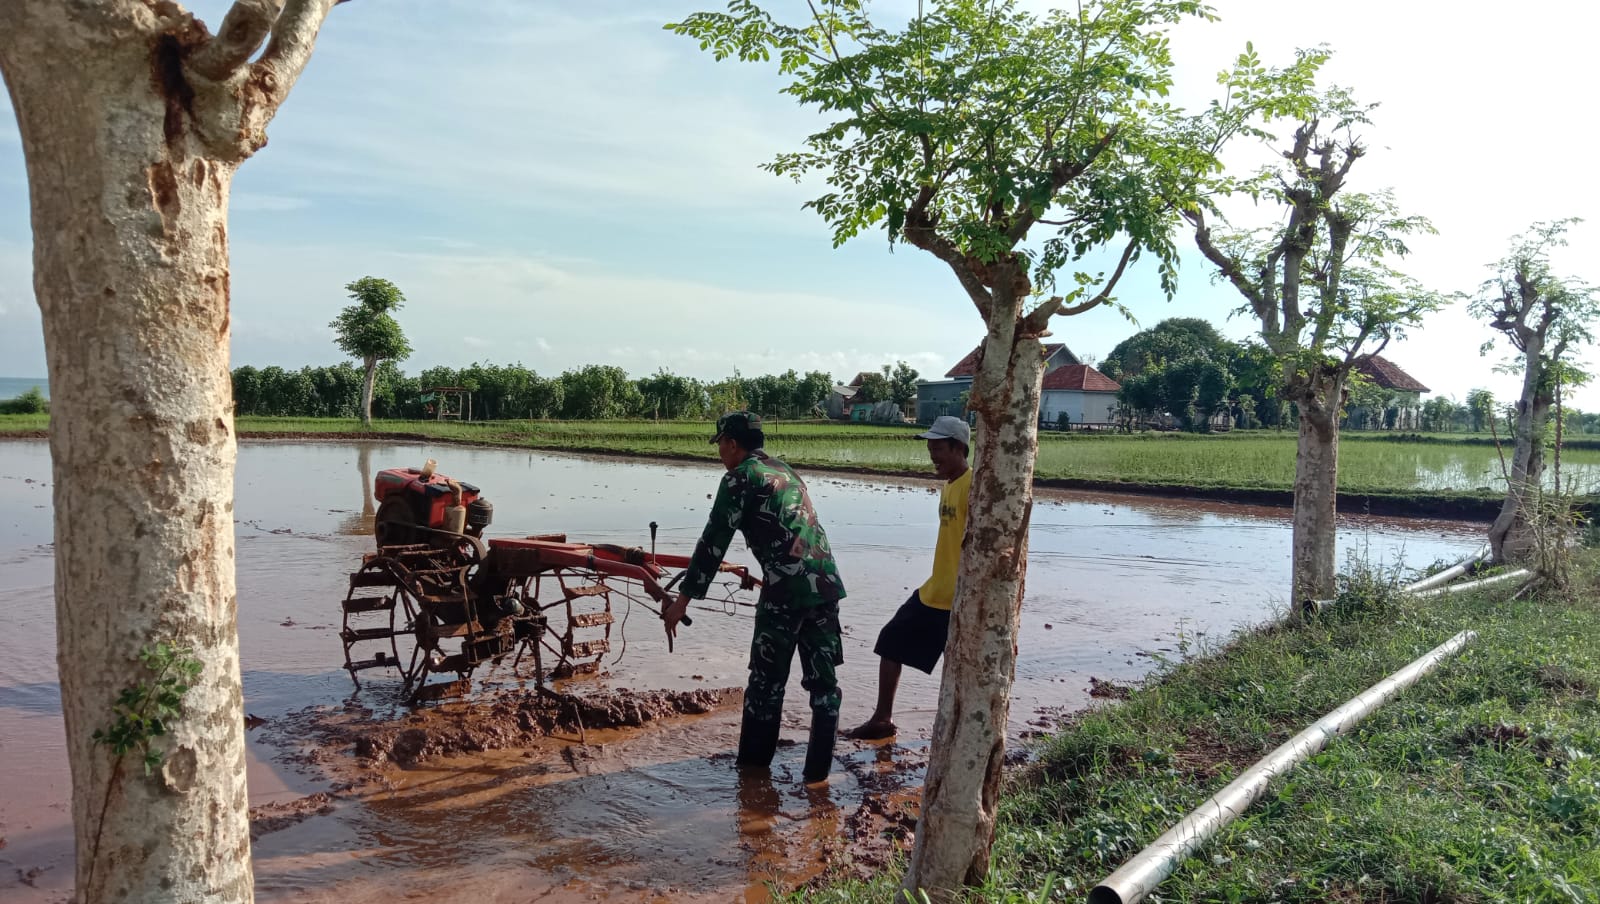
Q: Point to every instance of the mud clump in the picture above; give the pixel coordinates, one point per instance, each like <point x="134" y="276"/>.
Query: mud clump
<point x="269" y="818"/>
<point x="1108" y="690"/>
<point x="517" y="719"/>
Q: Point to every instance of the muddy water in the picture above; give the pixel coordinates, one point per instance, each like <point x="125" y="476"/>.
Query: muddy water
<point x="1115" y="583"/>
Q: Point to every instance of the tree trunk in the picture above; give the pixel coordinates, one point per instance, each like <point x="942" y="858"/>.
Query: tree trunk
<point x="367" y="386"/>
<point x="1316" y="489"/>
<point x="1509" y="537"/>
<point x="130" y="152"/>
<point x="959" y="802"/>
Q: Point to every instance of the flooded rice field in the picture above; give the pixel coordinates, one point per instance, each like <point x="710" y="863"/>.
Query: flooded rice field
<point x="1115" y="585"/>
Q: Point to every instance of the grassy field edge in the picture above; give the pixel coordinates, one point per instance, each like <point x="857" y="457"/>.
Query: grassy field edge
<point x="1481" y="783"/>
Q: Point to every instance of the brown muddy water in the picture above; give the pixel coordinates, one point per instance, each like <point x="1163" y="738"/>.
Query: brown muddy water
<point x="1115" y="585"/>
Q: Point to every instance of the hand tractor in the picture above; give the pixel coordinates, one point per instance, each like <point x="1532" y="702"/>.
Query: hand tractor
<point x="435" y="599"/>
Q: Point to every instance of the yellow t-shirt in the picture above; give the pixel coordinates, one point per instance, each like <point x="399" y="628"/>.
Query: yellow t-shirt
<point x="939" y="591"/>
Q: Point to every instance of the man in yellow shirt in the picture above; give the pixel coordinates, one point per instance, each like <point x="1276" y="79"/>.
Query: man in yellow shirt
<point x="916" y="635"/>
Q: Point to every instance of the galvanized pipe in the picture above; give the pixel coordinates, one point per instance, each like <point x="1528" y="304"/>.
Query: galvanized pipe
<point x="1449" y="574"/>
<point x="1139" y="876"/>
<point x="1475" y="585"/>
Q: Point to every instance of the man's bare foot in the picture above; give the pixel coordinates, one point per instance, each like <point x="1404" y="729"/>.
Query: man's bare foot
<point x="873" y="730"/>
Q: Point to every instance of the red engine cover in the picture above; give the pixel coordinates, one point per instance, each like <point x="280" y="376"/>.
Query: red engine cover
<point x="428" y="498"/>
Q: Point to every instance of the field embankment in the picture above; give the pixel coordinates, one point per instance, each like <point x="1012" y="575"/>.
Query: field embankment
<point x="1480" y="783"/>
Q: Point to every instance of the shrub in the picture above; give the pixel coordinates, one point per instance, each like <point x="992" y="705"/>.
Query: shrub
<point x="30" y="402"/>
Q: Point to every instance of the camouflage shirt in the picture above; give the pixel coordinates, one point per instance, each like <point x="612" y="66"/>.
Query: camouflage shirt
<point x="764" y="498"/>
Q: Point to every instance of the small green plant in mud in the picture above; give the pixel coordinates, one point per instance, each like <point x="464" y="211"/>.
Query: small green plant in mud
<point x="144" y="708"/>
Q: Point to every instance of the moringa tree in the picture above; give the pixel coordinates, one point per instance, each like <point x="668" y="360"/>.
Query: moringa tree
<point x="134" y="117"/>
<point x="368" y="330"/>
<point x="1544" y="317"/>
<point x="1325" y="302"/>
<point x="1010" y="147"/>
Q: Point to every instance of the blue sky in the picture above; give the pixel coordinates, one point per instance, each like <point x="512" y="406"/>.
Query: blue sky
<point x="565" y="183"/>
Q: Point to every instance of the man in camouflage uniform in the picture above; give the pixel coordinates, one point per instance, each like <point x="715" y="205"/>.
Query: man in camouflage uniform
<point x="799" y="605"/>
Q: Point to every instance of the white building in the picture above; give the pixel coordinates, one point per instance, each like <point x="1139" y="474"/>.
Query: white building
<point x="1083" y="394"/>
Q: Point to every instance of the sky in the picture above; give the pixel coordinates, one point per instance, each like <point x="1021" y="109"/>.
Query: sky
<point x="565" y="183"/>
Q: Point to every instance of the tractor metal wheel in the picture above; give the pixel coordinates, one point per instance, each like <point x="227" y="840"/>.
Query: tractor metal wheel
<point x="362" y="608"/>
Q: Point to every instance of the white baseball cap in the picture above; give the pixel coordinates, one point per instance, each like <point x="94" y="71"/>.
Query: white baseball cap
<point x="949" y="427"/>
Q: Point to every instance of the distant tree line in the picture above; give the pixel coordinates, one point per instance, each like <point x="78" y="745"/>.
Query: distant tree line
<point x="1183" y="368"/>
<point x="506" y="392"/>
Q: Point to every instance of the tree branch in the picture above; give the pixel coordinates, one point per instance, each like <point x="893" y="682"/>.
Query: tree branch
<point x="294" y="35"/>
<point x="1229" y="267"/>
<point x="1038" y="320"/>
<point x="1062" y="173"/>
<point x="922" y="231"/>
<point x="243" y="29"/>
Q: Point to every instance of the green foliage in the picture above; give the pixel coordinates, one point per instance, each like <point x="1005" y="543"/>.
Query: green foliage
<point x="902" y="382"/>
<point x="504" y="392"/>
<point x="667" y="395"/>
<point x="367" y="329"/>
<point x="30" y="402"/>
<point x="873" y="388"/>
<point x="1527" y="303"/>
<point x="308" y="392"/>
<point x="1170" y="340"/>
<point x="599" y="391"/>
<point x="1481" y="406"/>
<point x="979" y="121"/>
<point x="1441" y="415"/>
<point x="145" y="708"/>
<point x="1191" y="389"/>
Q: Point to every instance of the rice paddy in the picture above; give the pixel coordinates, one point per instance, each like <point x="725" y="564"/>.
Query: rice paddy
<point x="1368" y="463"/>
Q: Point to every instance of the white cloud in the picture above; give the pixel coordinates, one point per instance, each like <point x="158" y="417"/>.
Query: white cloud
<point x="566" y="314"/>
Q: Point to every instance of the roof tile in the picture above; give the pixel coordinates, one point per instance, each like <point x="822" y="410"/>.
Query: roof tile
<point x="1388" y="375"/>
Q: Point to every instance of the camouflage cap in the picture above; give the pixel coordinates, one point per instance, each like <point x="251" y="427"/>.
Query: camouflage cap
<point x="736" y="423"/>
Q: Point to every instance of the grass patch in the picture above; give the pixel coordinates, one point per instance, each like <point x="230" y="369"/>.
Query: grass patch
<point x="1479" y="784"/>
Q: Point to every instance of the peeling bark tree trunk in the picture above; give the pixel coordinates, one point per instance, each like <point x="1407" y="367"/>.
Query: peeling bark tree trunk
<point x="1510" y="539"/>
<point x="366" y="390"/>
<point x="968" y="747"/>
<point x="1316" y="488"/>
<point x="130" y="153"/>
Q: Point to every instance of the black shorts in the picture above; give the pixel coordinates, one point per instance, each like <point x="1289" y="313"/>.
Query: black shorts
<point x="915" y="636"/>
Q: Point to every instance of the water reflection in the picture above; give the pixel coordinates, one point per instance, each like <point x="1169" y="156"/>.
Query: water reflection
<point x="360" y="525"/>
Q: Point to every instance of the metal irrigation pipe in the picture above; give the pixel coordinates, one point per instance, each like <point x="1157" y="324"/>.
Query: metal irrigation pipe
<point x="1475" y="585"/>
<point x="1449" y="574"/>
<point x="1140" y="875"/>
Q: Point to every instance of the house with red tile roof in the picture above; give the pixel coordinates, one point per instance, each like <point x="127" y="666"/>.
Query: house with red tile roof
<point x="1403" y="411"/>
<point x="1069" y="386"/>
<point x="1078" y="394"/>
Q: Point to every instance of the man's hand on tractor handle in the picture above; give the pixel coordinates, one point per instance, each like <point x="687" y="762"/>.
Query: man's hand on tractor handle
<point x="673" y="613"/>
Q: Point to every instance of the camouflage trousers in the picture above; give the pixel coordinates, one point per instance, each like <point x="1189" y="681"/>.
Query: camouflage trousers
<point x="781" y="626"/>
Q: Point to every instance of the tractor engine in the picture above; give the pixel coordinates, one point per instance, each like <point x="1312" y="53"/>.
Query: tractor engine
<point x="419" y="497"/>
